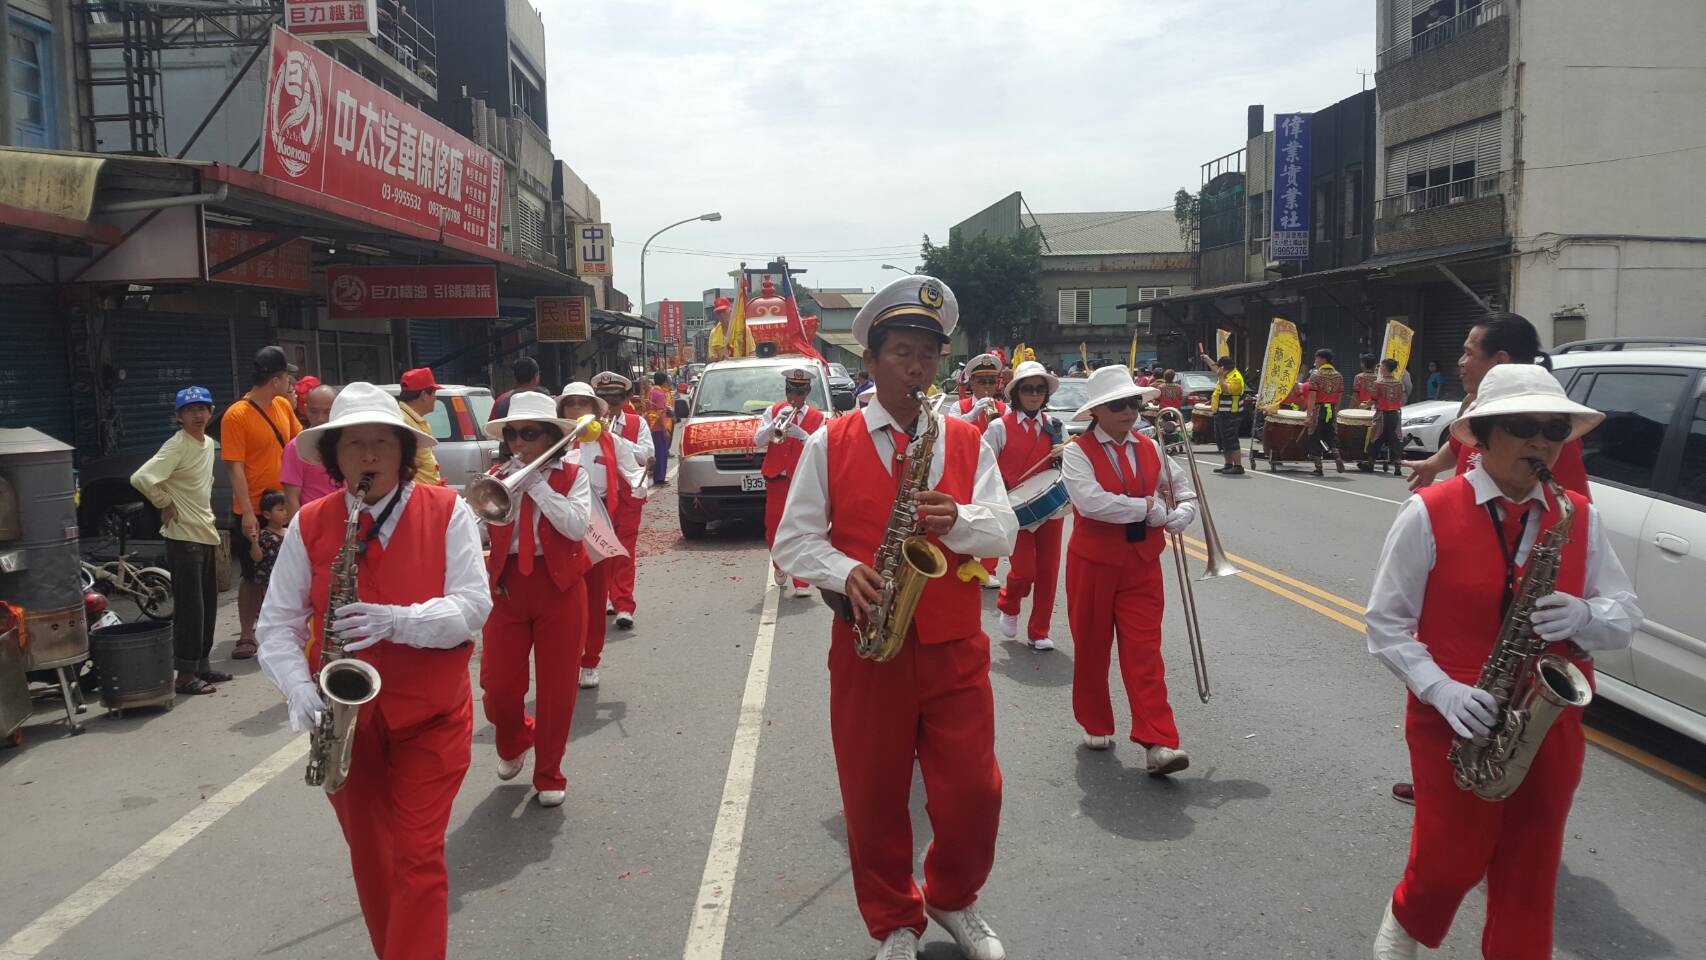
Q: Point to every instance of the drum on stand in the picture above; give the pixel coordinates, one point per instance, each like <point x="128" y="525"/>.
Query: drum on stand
<point x="1039" y="499"/>
<point x="1283" y="437"/>
<point x="1353" y="429"/>
<point x="1202" y="423"/>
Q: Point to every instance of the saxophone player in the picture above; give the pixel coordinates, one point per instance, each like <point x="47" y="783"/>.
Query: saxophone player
<point x="422" y="597"/>
<point x="931" y="704"/>
<point x="782" y="453"/>
<point x="1448" y="573"/>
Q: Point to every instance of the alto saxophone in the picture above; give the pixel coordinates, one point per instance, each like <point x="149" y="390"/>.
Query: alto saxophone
<point x="906" y="558"/>
<point x="345" y="682"/>
<point x="1532" y="687"/>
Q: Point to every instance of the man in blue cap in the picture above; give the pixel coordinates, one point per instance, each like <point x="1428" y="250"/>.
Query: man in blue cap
<point x="178" y="481"/>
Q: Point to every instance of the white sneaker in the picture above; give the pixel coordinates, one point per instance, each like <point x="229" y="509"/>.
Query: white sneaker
<point x="609" y="611"/>
<point x="624" y="621"/>
<point x="1042" y="644"/>
<point x="507" y="769"/>
<point x="1098" y="741"/>
<point x="994" y="583"/>
<point x="899" y="945"/>
<point x="1392" y="941"/>
<point x="1164" y="760"/>
<point x="552" y="798"/>
<point x="589" y="680"/>
<point x="1009" y="624"/>
<point x="777" y="574"/>
<point x="802" y="591"/>
<point x="968" y="928"/>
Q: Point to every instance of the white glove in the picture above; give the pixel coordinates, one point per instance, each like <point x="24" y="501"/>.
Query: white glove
<point x="1157" y="512"/>
<point x="1180" y="519"/>
<point x="798" y="432"/>
<point x="365" y="624"/>
<point x="305" y="706"/>
<point x="1559" y="616"/>
<point x="1471" y="711"/>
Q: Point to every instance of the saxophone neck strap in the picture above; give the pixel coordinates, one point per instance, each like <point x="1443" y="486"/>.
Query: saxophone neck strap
<point x="384" y="515"/>
<point x="1508" y="551"/>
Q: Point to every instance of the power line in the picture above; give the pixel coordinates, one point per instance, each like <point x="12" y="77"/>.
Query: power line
<point x="1589" y="163"/>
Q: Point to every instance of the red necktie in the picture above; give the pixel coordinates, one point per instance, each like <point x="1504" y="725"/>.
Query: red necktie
<point x="524" y="553"/>
<point x="1515" y="520"/>
<point x="1125" y="471"/>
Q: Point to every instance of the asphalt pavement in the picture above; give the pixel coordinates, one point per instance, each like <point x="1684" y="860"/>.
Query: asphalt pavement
<point x="189" y="832"/>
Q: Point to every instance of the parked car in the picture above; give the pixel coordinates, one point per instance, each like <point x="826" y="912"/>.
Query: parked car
<point x="1065" y="401"/>
<point x="840" y="385"/>
<point x="686" y="377"/>
<point x="729" y="485"/>
<point x="463" y="451"/>
<point x="1646" y="466"/>
<point x="1427" y="425"/>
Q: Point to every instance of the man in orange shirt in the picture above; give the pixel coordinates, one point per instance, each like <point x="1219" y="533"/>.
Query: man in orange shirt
<point x="252" y="436"/>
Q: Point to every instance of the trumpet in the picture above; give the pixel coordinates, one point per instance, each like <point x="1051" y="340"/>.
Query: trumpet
<point x="493" y="497"/>
<point x="1171" y="425"/>
<point x="785" y="419"/>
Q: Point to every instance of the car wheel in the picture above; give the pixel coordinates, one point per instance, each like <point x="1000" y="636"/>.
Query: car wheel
<point x="690" y="529"/>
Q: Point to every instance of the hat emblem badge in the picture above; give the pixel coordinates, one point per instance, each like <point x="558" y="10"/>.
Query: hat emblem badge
<point x="930" y="294"/>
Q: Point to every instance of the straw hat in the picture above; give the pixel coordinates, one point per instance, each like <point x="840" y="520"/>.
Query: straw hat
<point x="529" y="406"/>
<point x="582" y="390"/>
<point x="1107" y="384"/>
<point x="1523" y="388"/>
<point x="358" y="404"/>
<point x="1027" y="370"/>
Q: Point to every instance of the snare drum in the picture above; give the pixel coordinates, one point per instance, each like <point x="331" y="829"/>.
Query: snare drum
<point x="1202" y="423"/>
<point x="1038" y="499"/>
<point x="1354" y="430"/>
<point x="1282" y="435"/>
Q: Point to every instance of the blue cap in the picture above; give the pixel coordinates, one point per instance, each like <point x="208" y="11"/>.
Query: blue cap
<point x="189" y="395"/>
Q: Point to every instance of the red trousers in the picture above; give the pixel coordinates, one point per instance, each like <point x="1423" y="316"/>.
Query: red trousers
<point x="1515" y="844"/>
<point x="530" y="614"/>
<point x="1102" y="601"/>
<point x="597" y="584"/>
<point x="931" y="704"/>
<point x="621" y="574"/>
<point x="775" y="498"/>
<point x="394" y="809"/>
<point x="1035" y="561"/>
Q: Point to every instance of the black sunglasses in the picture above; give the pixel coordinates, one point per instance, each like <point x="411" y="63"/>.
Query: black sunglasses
<point x="529" y="434"/>
<point x="1033" y="388"/>
<point x="1523" y="428"/>
<point x="1123" y="404"/>
<point x="799" y="388"/>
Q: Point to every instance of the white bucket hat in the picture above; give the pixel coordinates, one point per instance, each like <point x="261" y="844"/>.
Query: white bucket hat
<point x="1523" y="388"/>
<point x="1027" y="370"/>
<point x="535" y="407"/>
<point x="582" y="390"/>
<point x="358" y="403"/>
<point x="1108" y="384"/>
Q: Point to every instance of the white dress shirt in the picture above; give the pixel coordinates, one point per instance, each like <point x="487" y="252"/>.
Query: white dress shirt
<point x="565" y="511"/>
<point x="281" y="631"/>
<point x="1406" y="559"/>
<point x="767" y="423"/>
<point x="628" y="469"/>
<point x="643" y="449"/>
<point x="984" y="527"/>
<point x="996" y="435"/>
<point x="973" y="415"/>
<point x="1093" y="500"/>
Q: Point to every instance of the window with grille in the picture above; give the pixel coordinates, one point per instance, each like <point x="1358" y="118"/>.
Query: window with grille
<point x="1353" y="202"/>
<point x="1098" y="306"/>
<point x="1451" y="157"/>
<point x="1259" y="211"/>
<point x="530" y="225"/>
<point x="1144" y="295"/>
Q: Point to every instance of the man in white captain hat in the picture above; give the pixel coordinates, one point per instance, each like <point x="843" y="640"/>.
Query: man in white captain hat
<point x="782" y="454"/>
<point x="931" y="705"/>
<point x="979" y="405"/>
<point x="613" y="389"/>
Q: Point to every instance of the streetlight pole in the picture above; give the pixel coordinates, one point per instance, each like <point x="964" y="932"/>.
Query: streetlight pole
<point x="713" y="216"/>
<point x="890" y="266"/>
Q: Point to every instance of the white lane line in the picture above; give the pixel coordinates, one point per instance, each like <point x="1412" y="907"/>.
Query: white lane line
<point x="1252" y="470"/>
<point x="716" y="888"/>
<point x="46" y="929"/>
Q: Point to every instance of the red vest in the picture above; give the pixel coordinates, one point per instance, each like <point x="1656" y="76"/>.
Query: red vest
<point x="1021" y="451"/>
<point x="631" y="432"/>
<point x="613" y="482"/>
<point x="1460" y="610"/>
<point x="966" y="404"/>
<point x="565" y="558"/>
<point x="781" y="456"/>
<point x="1570" y="472"/>
<point x="418" y="684"/>
<point x="861" y="494"/>
<point x="1098" y="541"/>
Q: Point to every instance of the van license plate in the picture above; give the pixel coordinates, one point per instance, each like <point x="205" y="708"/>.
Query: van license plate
<point x="748" y="484"/>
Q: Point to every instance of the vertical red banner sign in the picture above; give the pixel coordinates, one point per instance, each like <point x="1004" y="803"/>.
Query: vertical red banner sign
<point x="670" y="323"/>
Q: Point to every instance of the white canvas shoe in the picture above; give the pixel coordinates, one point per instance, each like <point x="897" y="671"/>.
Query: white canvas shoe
<point x="589" y="678"/>
<point x="552" y="798"/>
<point x="899" y="945"/>
<point x="1009" y="624"/>
<point x="777" y="574"/>
<point x="973" y="933"/>
<point x="1042" y="644"/>
<point x="1392" y="941"/>
<point x="994" y="583"/>
<point x="1164" y="760"/>
<point x="507" y="769"/>
<point x="802" y="591"/>
<point x="1098" y="741"/>
<point x="624" y="621"/>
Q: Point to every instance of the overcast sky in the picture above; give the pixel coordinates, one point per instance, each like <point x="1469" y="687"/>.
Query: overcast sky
<point x="840" y="133"/>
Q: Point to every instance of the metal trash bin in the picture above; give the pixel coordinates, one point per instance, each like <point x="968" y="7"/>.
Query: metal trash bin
<point x="134" y="664"/>
<point x="15" y="707"/>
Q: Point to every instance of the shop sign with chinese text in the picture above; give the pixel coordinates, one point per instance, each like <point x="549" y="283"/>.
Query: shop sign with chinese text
<point x="1289" y="239"/>
<point x="412" y="293"/>
<point x="592" y="249"/>
<point x="670" y="323"/>
<point x="562" y="319"/>
<point x="333" y="132"/>
<point x="287" y="267"/>
<point x="330" y="19"/>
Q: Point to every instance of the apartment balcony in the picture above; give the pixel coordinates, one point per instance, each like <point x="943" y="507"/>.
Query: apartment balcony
<point x="1439" y="33"/>
<point x="1462" y="210"/>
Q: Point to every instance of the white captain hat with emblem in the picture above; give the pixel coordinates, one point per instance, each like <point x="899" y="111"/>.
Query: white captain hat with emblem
<point x="915" y="302"/>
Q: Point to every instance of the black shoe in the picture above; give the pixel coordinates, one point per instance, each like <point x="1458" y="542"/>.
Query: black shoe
<point x="1235" y="471"/>
<point x="1318" y="471"/>
<point x="1365" y="467"/>
<point x="1223" y="469"/>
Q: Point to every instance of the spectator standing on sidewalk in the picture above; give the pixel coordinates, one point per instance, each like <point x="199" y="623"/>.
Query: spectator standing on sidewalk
<point x="305" y="483"/>
<point x="417" y="399"/>
<point x="658" y="419"/>
<point x="253" y="434"/>
<point x="178" y="480"/>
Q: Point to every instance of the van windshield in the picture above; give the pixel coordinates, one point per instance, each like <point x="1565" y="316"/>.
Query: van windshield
<point x="727" y="391"/>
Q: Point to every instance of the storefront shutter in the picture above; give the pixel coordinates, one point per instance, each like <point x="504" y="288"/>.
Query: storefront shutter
<point x="35" y="366"/>
<point x="160" y="354"/>
<point x="250" y="335"/>
<point x="1447" y="316"/>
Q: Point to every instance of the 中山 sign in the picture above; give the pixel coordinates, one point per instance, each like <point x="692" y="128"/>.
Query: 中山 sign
<point x="412" y="293"/>
<point x="1289" y="236"/>
<point x="592" y="249"/>
<point x="330" y="19"/>
<point x="562" y="319"/>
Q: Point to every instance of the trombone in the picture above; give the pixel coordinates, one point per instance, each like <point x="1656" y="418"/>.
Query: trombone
<point x="1171" y="425"/>
<point x="493" y="498"/>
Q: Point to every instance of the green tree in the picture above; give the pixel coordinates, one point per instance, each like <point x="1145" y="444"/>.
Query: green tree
<point x="996" y="279"/>
<point x="1187" y="210"/>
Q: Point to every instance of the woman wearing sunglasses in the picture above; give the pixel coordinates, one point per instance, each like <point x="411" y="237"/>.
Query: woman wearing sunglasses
<point x="1120" y="483"/>
<point x="537" y="568"/>
<point x="1450" y="566"/>
<point x="1023" y="440"/>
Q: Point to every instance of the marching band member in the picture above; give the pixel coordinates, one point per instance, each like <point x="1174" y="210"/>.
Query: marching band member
<point x="1115" y="476"/>
<point x="1386" y="393"/>
<point x="537" y="567"/>
<point x="423" y="598"/>
<point x="613" y="469"/>
<point x="1432" y="620"/>
<point x="1321" y="398"/>
<point x="613" y="389"/>
<point x="1362" y="385"/>
<point x="781" y="455"/>
<point x="932" y="703"/>
<point x="1170" y="392"/>
<point x="978" y="406"/>
<point x="1021" y="439"/>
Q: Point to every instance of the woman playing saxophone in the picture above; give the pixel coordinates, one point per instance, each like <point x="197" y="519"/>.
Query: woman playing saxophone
<point x="1481" y="578"/>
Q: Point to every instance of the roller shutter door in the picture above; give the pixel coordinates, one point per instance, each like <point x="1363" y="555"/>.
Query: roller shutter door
<point x="1447" y="316"/>
<point x="160" y="354"/>
<point x="35" y="365"/>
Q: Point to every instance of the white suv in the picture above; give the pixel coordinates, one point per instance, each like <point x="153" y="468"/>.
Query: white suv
<point x="1647" y="469"/>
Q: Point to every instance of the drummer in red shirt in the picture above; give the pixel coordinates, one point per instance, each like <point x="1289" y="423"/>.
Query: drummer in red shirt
<point x="1024" y="441"/>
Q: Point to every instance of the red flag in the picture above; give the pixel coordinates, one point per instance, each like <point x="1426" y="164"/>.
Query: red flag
<point x="796" y="327"/>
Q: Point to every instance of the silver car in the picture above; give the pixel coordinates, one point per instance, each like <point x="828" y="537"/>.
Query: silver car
<point x="463" y="450"/>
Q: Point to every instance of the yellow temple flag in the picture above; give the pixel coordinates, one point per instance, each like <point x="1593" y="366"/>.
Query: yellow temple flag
<point x="1284" y="362"/>
<point x="1397" y="344"/>
<point x="740" y="341"/>
<point x="1133" y="364"/>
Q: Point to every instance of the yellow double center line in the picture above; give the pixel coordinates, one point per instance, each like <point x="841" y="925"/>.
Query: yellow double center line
<point x="1337" y="608"/>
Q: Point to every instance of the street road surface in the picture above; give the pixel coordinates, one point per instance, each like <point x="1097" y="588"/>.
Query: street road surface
<point x="190" y="833"/>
